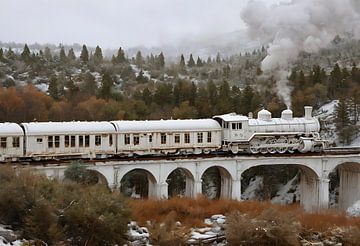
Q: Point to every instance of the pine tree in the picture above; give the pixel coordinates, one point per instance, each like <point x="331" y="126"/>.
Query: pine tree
<point x="161" y="60"/>
<point x="53" y="89"/>
<point x="10" y="54"/>
<point x="84" y="56"/>
<point x="218" y="58"/>
<point x="63" y="57"/>
<point x="209" y="60"/>
<point x="139" y="59"/>
<point x="1" y="55"/>
<point x="71" y="55"/>
<point x="120" y="58"/>
<point x="98" y="56"/>
<point x="191" y="62"/>
<point x="182" y="62"/>
<point x="25" y="55"/>
<point x="89" y="85"/>
<point x="343" y="122"/>
<point x="47" y="54"/>
<point x="224" y="103"/>
<point x="199" y="62"/>
<point x="106" y="85"/>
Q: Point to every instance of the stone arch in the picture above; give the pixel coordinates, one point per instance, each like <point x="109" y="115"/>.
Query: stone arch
<point x="187" y="182"/>
<point x="224" y="187"/>
<point x="142" y="183"/>
<point x="349" y="182"/>
<point x="101" y="179"/>
<point x="312" y="194"/>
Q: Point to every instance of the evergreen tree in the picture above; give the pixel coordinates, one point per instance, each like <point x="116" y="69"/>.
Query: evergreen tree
<point x="120" y="58"/>
<point x="106" y="85"/>
<point x="224" y="103"/>
<point x="139" y="59"/>
<point x="191" y="62"/>
<point x="343" y="121"/>
<point x="53" y="89"/>
<point x="84" y="56"/>
<point x="218" y="58"/>
<point x="25" y="55"/>
<point x="10" y="54"/>
<point x="63" y="57"/>
<point x="71" y="55"/>
<point x="161" y="60"/>
<point x="47" y="54"/>
<point x="208" y="60"/>
<point x="89" y="85"/>
<point x="335" y="82"/>
<point x="2" y="58"/>
<point x="98" y="56"/>
<point x="182" y="62"/>
<point x="199" y="62"/>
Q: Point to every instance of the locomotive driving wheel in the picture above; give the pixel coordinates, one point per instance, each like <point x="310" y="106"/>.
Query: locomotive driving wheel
<point x="282" y="141"/>
<point x="255" y="146"/>
<point x="271" y="141"/>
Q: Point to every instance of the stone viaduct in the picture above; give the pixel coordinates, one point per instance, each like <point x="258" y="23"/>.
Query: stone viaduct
<point x="314" y="181"/>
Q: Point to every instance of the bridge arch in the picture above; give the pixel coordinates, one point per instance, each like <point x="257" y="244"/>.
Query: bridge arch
<point x="314" y="192"/>
<point x="138" y="183"/>
<point x="183" y="179"/>
<point x="217" y="187"/>
<point x="349" y="182"/>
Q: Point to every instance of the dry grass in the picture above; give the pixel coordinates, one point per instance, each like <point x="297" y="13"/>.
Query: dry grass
<point x="192" y="212"/>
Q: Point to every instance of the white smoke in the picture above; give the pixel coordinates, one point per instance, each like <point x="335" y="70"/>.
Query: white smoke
<point x="295" y="26"/>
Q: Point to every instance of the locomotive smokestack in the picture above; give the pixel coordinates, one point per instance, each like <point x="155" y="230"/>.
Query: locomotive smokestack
<point x="308" y="112"/>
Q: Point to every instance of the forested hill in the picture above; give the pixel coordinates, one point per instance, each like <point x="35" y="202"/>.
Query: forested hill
<point x="59" y="84"/>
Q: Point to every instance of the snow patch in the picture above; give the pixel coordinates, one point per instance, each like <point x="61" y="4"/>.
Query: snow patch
<point x="254" y="186"/>
<point x="288" y="193"/>
<point x="354" y="210"/>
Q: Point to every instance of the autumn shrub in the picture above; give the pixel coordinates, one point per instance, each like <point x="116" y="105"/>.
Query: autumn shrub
<point x="61" y="213"/>
<point x="78" y="173"/>
<point x="168" y="232"/>
<point x="269" y="228"/>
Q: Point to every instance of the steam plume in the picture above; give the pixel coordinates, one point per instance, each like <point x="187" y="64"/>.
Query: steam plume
<point x="295" y="26"/>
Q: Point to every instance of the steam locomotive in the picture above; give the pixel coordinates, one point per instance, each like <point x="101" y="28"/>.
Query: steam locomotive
<point x="229" y="133"/>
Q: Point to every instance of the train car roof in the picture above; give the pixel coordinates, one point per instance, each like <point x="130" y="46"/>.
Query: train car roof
<point x="231" y="117"/>
<point x="167" y="125"/>
<point x="74" y="127"/>
<point x="10" y="129"/>
<point x="279" y="121"/>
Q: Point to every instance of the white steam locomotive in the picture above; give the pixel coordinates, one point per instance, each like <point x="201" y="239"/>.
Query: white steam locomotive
<point x="229" y="132"/>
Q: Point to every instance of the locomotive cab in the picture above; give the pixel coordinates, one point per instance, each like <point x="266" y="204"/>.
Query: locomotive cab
<point x="235" y="129"/>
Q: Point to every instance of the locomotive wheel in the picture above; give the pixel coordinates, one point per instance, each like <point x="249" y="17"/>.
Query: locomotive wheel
<point x="291" y="150"/>
<point x="282" y="140"/>
<point x="272" y="141"/>
<point x="254" y="146"/>
<point x="263" y="151"/>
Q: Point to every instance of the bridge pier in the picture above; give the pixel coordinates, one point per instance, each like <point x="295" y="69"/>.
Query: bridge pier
<point x="236" y="190"/>
<point x="349" y="191"/>
<point x="163" y="190"/>
<point x="198" y="187"/>
<point x="314" y="193"/>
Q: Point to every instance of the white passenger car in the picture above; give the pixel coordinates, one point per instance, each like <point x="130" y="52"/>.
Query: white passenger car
<point x="59" y="139"/>
<point x="168" y="136"/>
<point x="11" y="141"/>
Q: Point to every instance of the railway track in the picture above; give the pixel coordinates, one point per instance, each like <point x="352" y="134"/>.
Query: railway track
<point x="64" y="161"/>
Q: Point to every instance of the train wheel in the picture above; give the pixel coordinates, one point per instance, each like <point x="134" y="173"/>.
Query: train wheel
<point x="271" y="141"/>
<point x="254" y="146"/>
<point x="282" y="141"/>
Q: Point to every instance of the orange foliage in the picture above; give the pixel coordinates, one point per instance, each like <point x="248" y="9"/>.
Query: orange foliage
<point x="192" y="212"/>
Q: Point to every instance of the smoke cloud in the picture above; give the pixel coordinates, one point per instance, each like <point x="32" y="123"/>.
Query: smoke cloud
<point x="295" y="26"/>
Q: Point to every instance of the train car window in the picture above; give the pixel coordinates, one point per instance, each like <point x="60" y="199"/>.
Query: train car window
<point x="16" y="142"/>
<point x="136" y="139"/>
<point x="226" y="125"/>
<point x="187" y="137"/>
<point x="127" y="139"/>
<point x="67" y="141"/>
<point x="97" y="140"/>
<point x="150" y="138"/>
<point x="209" y="137"/>
<point x="177" y="138"/>
<point x="87" y="140"/>
<point x="239" y="125"/>
<point x="81" y="141"/>
<point x="57" y="141"/>
<point x="236" y="126"/>
<point x="72" y="142"/>
<point x="3" y="142"/>
<point x="110" y="140"/>
<point x="163" y="138"/>
<point x="200" y="137"/>
<point x="50" y="141"/>
<point x="39" y="140"/>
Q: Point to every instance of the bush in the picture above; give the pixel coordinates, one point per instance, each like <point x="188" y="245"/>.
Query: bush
<point x="269" y="228"/>
<point x="53" y="212"/>
<point x="78" y="173"/>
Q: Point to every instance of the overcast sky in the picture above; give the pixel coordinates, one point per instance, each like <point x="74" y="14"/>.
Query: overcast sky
<point x="114" y="23"/>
